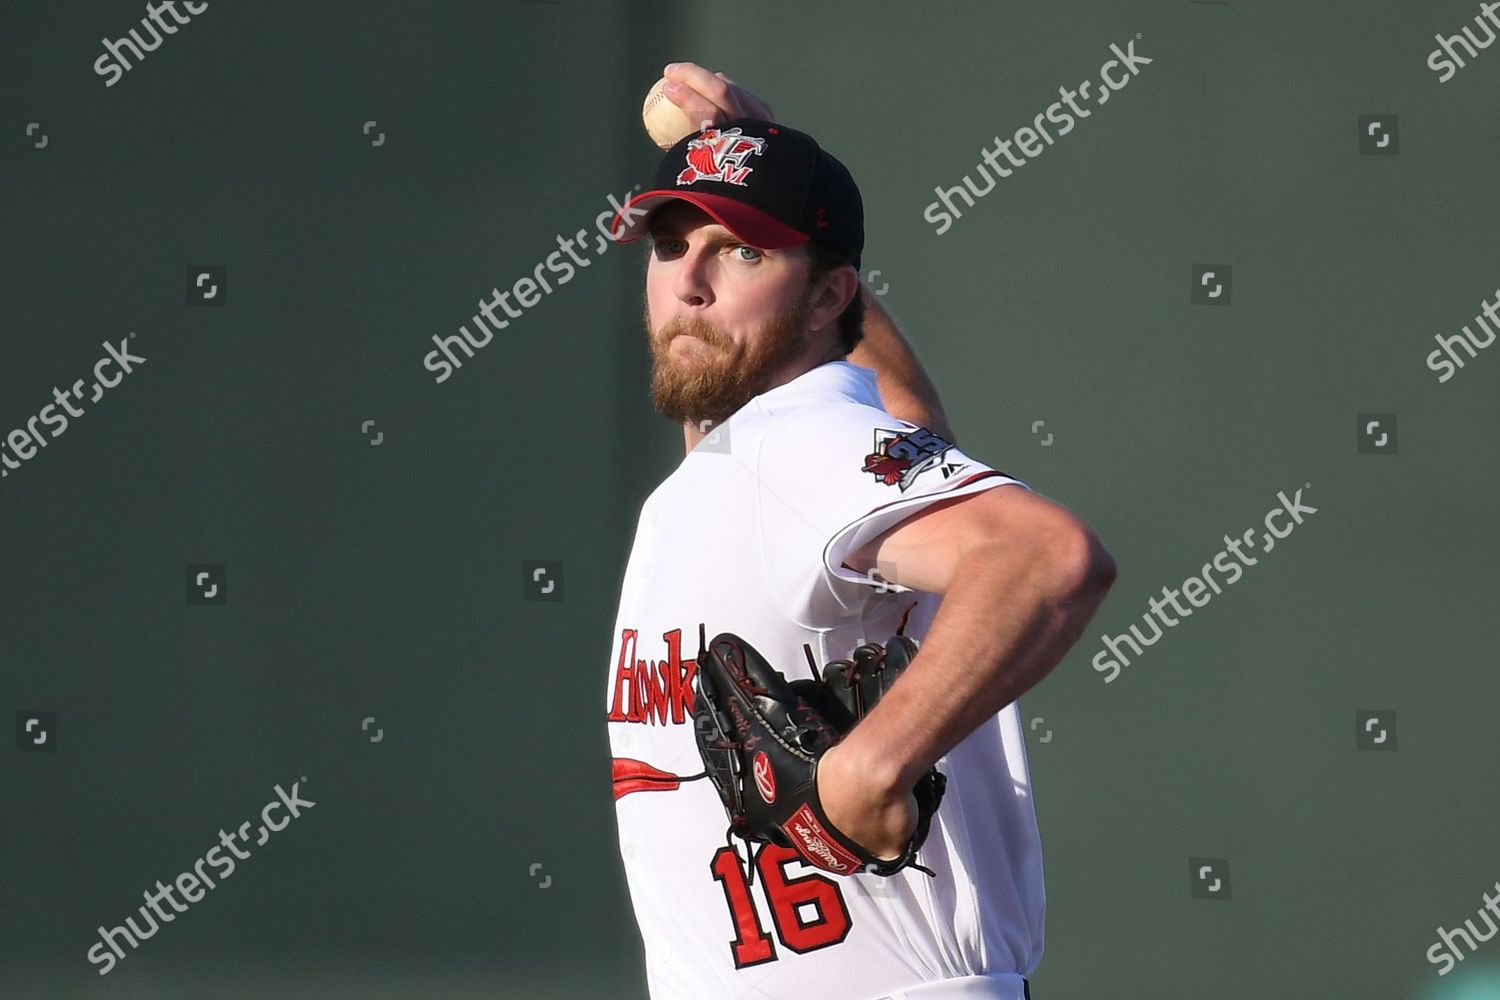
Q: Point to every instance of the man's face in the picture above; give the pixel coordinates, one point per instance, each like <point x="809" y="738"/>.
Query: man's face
<point x="726" y="321"/>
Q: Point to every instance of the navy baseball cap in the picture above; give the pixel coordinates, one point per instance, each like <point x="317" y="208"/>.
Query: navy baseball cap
<point x="772" y="186"/>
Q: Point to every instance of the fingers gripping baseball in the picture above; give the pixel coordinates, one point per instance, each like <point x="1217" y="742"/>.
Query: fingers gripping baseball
<point x="711" y="97"/>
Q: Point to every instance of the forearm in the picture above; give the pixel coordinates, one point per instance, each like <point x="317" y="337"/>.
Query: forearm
<point x="904" y="386"/>
<point x="1008" y="618"/>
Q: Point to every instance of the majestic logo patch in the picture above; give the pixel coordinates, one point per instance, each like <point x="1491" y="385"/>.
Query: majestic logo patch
<point x="901" y="456"/>
<point x="720" y="155"/>
<point x="765" y="778"/>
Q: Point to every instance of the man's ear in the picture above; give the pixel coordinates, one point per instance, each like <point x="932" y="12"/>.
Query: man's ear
<point x="832" y="294"/>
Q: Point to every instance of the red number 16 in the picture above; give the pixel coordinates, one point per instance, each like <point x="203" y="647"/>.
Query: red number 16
<point x="752" y="945"/>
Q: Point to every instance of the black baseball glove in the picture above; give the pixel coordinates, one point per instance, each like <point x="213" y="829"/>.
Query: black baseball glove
<point x="761" y="736"/>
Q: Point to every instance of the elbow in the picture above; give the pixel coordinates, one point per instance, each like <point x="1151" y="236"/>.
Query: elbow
<point x="1080" y="562"/>
<point x="1101" y="571"/>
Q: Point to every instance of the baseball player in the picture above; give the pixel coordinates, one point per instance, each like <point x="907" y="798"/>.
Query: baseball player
<point x="807" y="518"/>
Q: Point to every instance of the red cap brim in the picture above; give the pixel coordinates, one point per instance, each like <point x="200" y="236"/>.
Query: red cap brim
<point x="747" y="222"/>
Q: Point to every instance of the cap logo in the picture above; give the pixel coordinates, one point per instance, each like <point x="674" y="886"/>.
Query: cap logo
<point x="720" y="155"/>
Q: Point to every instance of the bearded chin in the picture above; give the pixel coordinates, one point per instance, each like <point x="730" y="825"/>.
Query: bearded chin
<point x="705" y="393"/>
<point x="714" y="388"/>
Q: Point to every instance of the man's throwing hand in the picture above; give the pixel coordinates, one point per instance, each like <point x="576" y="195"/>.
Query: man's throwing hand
<point x="710" y="98"/>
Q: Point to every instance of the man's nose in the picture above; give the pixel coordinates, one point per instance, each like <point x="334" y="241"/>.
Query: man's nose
<point x="692" y="282"/>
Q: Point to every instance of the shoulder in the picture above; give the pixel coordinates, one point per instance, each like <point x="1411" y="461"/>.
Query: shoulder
<point x="827" y="438"/>
<point x="828" y="423"/>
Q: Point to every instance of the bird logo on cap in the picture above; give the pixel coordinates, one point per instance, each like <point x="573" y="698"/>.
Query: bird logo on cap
<point x="715" y="155"/>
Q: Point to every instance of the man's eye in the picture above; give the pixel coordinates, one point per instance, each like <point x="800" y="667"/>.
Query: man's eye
<point x="753" y="250"/>
<point x="667" y="246"/>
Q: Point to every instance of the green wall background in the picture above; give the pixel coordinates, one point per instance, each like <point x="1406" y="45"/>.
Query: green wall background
<point x="471" y="851"/>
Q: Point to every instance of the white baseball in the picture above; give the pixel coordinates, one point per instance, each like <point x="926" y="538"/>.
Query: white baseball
<point x="665" y="122"/>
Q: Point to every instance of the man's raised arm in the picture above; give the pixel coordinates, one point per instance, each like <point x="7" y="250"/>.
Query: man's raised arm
<point x="904" y="386"/>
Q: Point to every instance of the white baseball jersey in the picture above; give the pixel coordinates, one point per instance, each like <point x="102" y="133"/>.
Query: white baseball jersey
<point x="748" y="535"/>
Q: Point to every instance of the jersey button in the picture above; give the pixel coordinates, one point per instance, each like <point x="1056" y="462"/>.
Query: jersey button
<point x="629" y="852"/>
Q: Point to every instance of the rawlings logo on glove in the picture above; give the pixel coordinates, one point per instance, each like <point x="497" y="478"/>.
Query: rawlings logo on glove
<point x="756" y="728"/>
<point x="765" y="778"/>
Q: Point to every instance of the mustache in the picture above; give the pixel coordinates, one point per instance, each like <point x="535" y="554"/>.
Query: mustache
<point x="692" y="327"/>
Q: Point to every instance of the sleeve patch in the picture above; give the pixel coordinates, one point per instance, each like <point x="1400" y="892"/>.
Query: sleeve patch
<point x="900" y="456"/>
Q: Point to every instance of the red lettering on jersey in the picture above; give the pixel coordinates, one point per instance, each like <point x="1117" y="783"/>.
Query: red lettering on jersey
<point x="652" y="693"/>
<point x="655" y="692"/>
<point x="681" y="686"/>
<point x="624" y="674"/>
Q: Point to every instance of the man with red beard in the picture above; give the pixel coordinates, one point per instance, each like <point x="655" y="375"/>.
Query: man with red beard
<point x="811" y="509"/>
